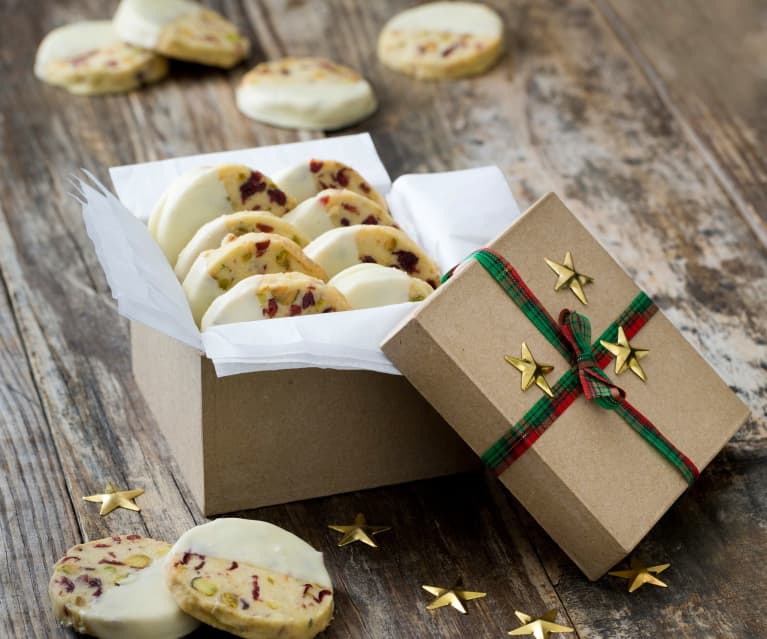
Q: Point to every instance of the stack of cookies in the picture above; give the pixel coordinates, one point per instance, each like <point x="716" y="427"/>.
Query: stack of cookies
<point x="316" y="238"/>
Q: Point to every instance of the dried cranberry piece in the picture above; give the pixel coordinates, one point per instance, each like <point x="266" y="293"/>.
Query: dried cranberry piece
<point x="315" y="166"/>
<point x="69" y="558"/>
<point x="254" y="184"/>
<point x="407" y="261"/>
<point x="344" y="222"/>
<point x="102" y="545"/>
<point x="111" y="562"/>
<point x="245" y="604"/>
<point x="308" y="300"/>
<point x="133" y="537"/>
<point x="275" y="195"/>
<point x="271" y="308"/>
<point x="307" y="588"/>
<point x="67" y="583"/>
<point x="341" y="177"/>
<point x="265" y="228"/>
<point x="321" y="595"/>
<point x="367" y="259"/>
<point x="188" y="557"/>
<point x="79" y="59"/>
<point x="324" y="200"/>
<point x="370" y="219"/>
<point x="117" y="539"/>
<point x="295" y="309"/>
<point x="256" y="592"/>
<point x="350" y="207"/>
<point x="364" y="187"/>
<point x="329" y="309"/>
<point x="261" y="247"/>
<point x="234" y="566"/>
<point x="432" y="283"/>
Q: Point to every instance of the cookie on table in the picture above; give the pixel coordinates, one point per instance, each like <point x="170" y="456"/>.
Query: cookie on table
<point x="262" y="297"/>
<point x="442" y="40"/>
<point x="88" y="58"/>
<point x="305" y="93"/>
<point x="310" y="177"/>
<point x="181" y="29"/>
<point x="332" y="208"/>
<point x="215" y="272"/>
<point x="369" y="285"/>
<point x="205" y="193"/>
<point x="115" y="587"/>
<point x="210" y="235"/>
<point x="252" y="579"/>
<point x="343" y="247"/>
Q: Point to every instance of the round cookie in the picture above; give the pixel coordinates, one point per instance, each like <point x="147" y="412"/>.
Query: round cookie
<point x="205" y="193"/>
<point x="275" y="295"/>
<point x="215" y="272"/>
<point x="442" y="40"/>
<point x="181" y="29"/>
<point x="309" y="178"/>
<point x="115" y="587"/>
<point x="252" y="579"/>
<point x="210" y="235"/>
<point x="332" y="208"/>
<point x="305" y="93"/>
<point x="369" y="285"/>
<point x="88" y="58"/>
<point x="341" y="248"/>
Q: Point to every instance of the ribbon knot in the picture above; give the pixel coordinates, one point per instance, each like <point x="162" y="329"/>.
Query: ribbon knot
<point x="596" y="386"/>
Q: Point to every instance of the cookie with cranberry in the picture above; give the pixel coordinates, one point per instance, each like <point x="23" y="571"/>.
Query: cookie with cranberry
<point x="205" y="193"/>
<point x="369" y="285"/>
<point x="88" y="58"/>
<point x="343" y="247"/>
<point x="115" y="587"/>
<point x="262" y="297"/>
<point x="215" y="272"/>
<point x="332" y="208"/>
<point x="181" y="29"/>
<point x="211" y="235"/>
<point x="252" y="579"/>
<point x="309" y="178"/>
<point x="442" y="40"/>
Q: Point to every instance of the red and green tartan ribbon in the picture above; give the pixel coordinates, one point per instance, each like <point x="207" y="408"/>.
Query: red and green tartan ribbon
<point x="571" y="336"/>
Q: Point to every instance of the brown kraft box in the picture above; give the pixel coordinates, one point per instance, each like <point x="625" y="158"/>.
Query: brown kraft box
<point x="590" y="481"/>
<point x="257" y="439"/>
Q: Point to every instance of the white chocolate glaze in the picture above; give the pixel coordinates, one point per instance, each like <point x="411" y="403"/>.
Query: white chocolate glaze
<point x="256" y="542"/>
<point x="369" y="285"/>
<point x="140" y="22"/>
<point x="452" y="17"/>
<point x="200" y="288"/>
<point x="335" y="250"/>
<point x="72" y="40"/>
<point x="297" y="181"/>
<point x="140" y="606"/>
<point x="310" y="217"/>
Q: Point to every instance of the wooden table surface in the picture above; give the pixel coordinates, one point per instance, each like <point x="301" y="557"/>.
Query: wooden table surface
<point x="647" y="118"/>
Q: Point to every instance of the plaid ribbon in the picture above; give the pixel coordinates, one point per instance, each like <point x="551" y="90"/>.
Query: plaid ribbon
<point x="571" y="336"/>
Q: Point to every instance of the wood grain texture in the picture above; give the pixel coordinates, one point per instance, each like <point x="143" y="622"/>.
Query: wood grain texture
<point x="570" y="108"/>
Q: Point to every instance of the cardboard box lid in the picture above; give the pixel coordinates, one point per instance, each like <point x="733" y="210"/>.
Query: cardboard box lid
<point x="594" y="484"/>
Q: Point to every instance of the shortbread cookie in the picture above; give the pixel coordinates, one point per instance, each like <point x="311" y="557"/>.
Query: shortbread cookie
<point x="215" y="272"/>
<point x="115" y="587"/>
<point x="211" y="235"/>
<point x="88" y="58"/>
<point x="309" y="178"/>
<point x="369" y="285"/>
<point x="181" y="29"/>
<point x="332" y="208"/>
<point x="252" y="579"/>
<point x="305" y="93"/>
<point x="341" y="248"/>
<point x="442" y="40"/>
<point x="205" y="193"/>
<point x="276" y="295"/>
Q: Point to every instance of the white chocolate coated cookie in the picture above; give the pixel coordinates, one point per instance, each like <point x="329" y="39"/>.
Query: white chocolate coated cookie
<point x="262" y="297"/>
<point x="88" y="58"/>
<point x="369" y="285"/>
<point x="442" y="40"/>
<point x="211" y="235"/>
<point x="114" y="588"/>
<point x="215" y="272"/>
<point x="308" y="178"/>
<point x="341" y="248"/>
<point x="181" y="29"/>
<point x="205" y="193"/>
<point x="305" y="93"/>
<point x="252" y="579"/>
<point x="332" y="208"/>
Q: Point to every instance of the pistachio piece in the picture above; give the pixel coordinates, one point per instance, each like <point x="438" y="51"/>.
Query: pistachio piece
<point x="230" y="599"/>
<point x="137" y="561"/>
<point x="204" y="586"/>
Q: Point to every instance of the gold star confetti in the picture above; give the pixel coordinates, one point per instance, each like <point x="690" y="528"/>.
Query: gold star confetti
<point x="568" y="277"/>
<point x="360" y="530"/>
<point x="540" y="627"/>
<point x="113" y="498"/>
<point x="626" y="356"/>
<point x="639" y="575"/>
<point x="532" y="371"/>
<point x="453" y="596"/>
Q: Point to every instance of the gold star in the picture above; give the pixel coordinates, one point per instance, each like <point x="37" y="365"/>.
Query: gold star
<point x="113" y="498"/>
<point x="639" y="575"/>
<point x="626" y="356"/>
<point x="532" y="371"/>
<point x="568" y="277"/>
<point x="453" y="596"/>
<point x="358" y="531"/>
<point x="540" y="627"/>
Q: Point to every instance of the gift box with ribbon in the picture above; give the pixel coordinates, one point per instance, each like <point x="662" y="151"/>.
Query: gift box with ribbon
<point x="584" y="399"/>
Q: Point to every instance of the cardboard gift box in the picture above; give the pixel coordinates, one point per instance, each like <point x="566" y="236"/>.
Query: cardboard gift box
<point x="590" y="479"/>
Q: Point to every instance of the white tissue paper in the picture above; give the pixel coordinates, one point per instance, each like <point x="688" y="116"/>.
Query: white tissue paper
<point x="448" y="214"/>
